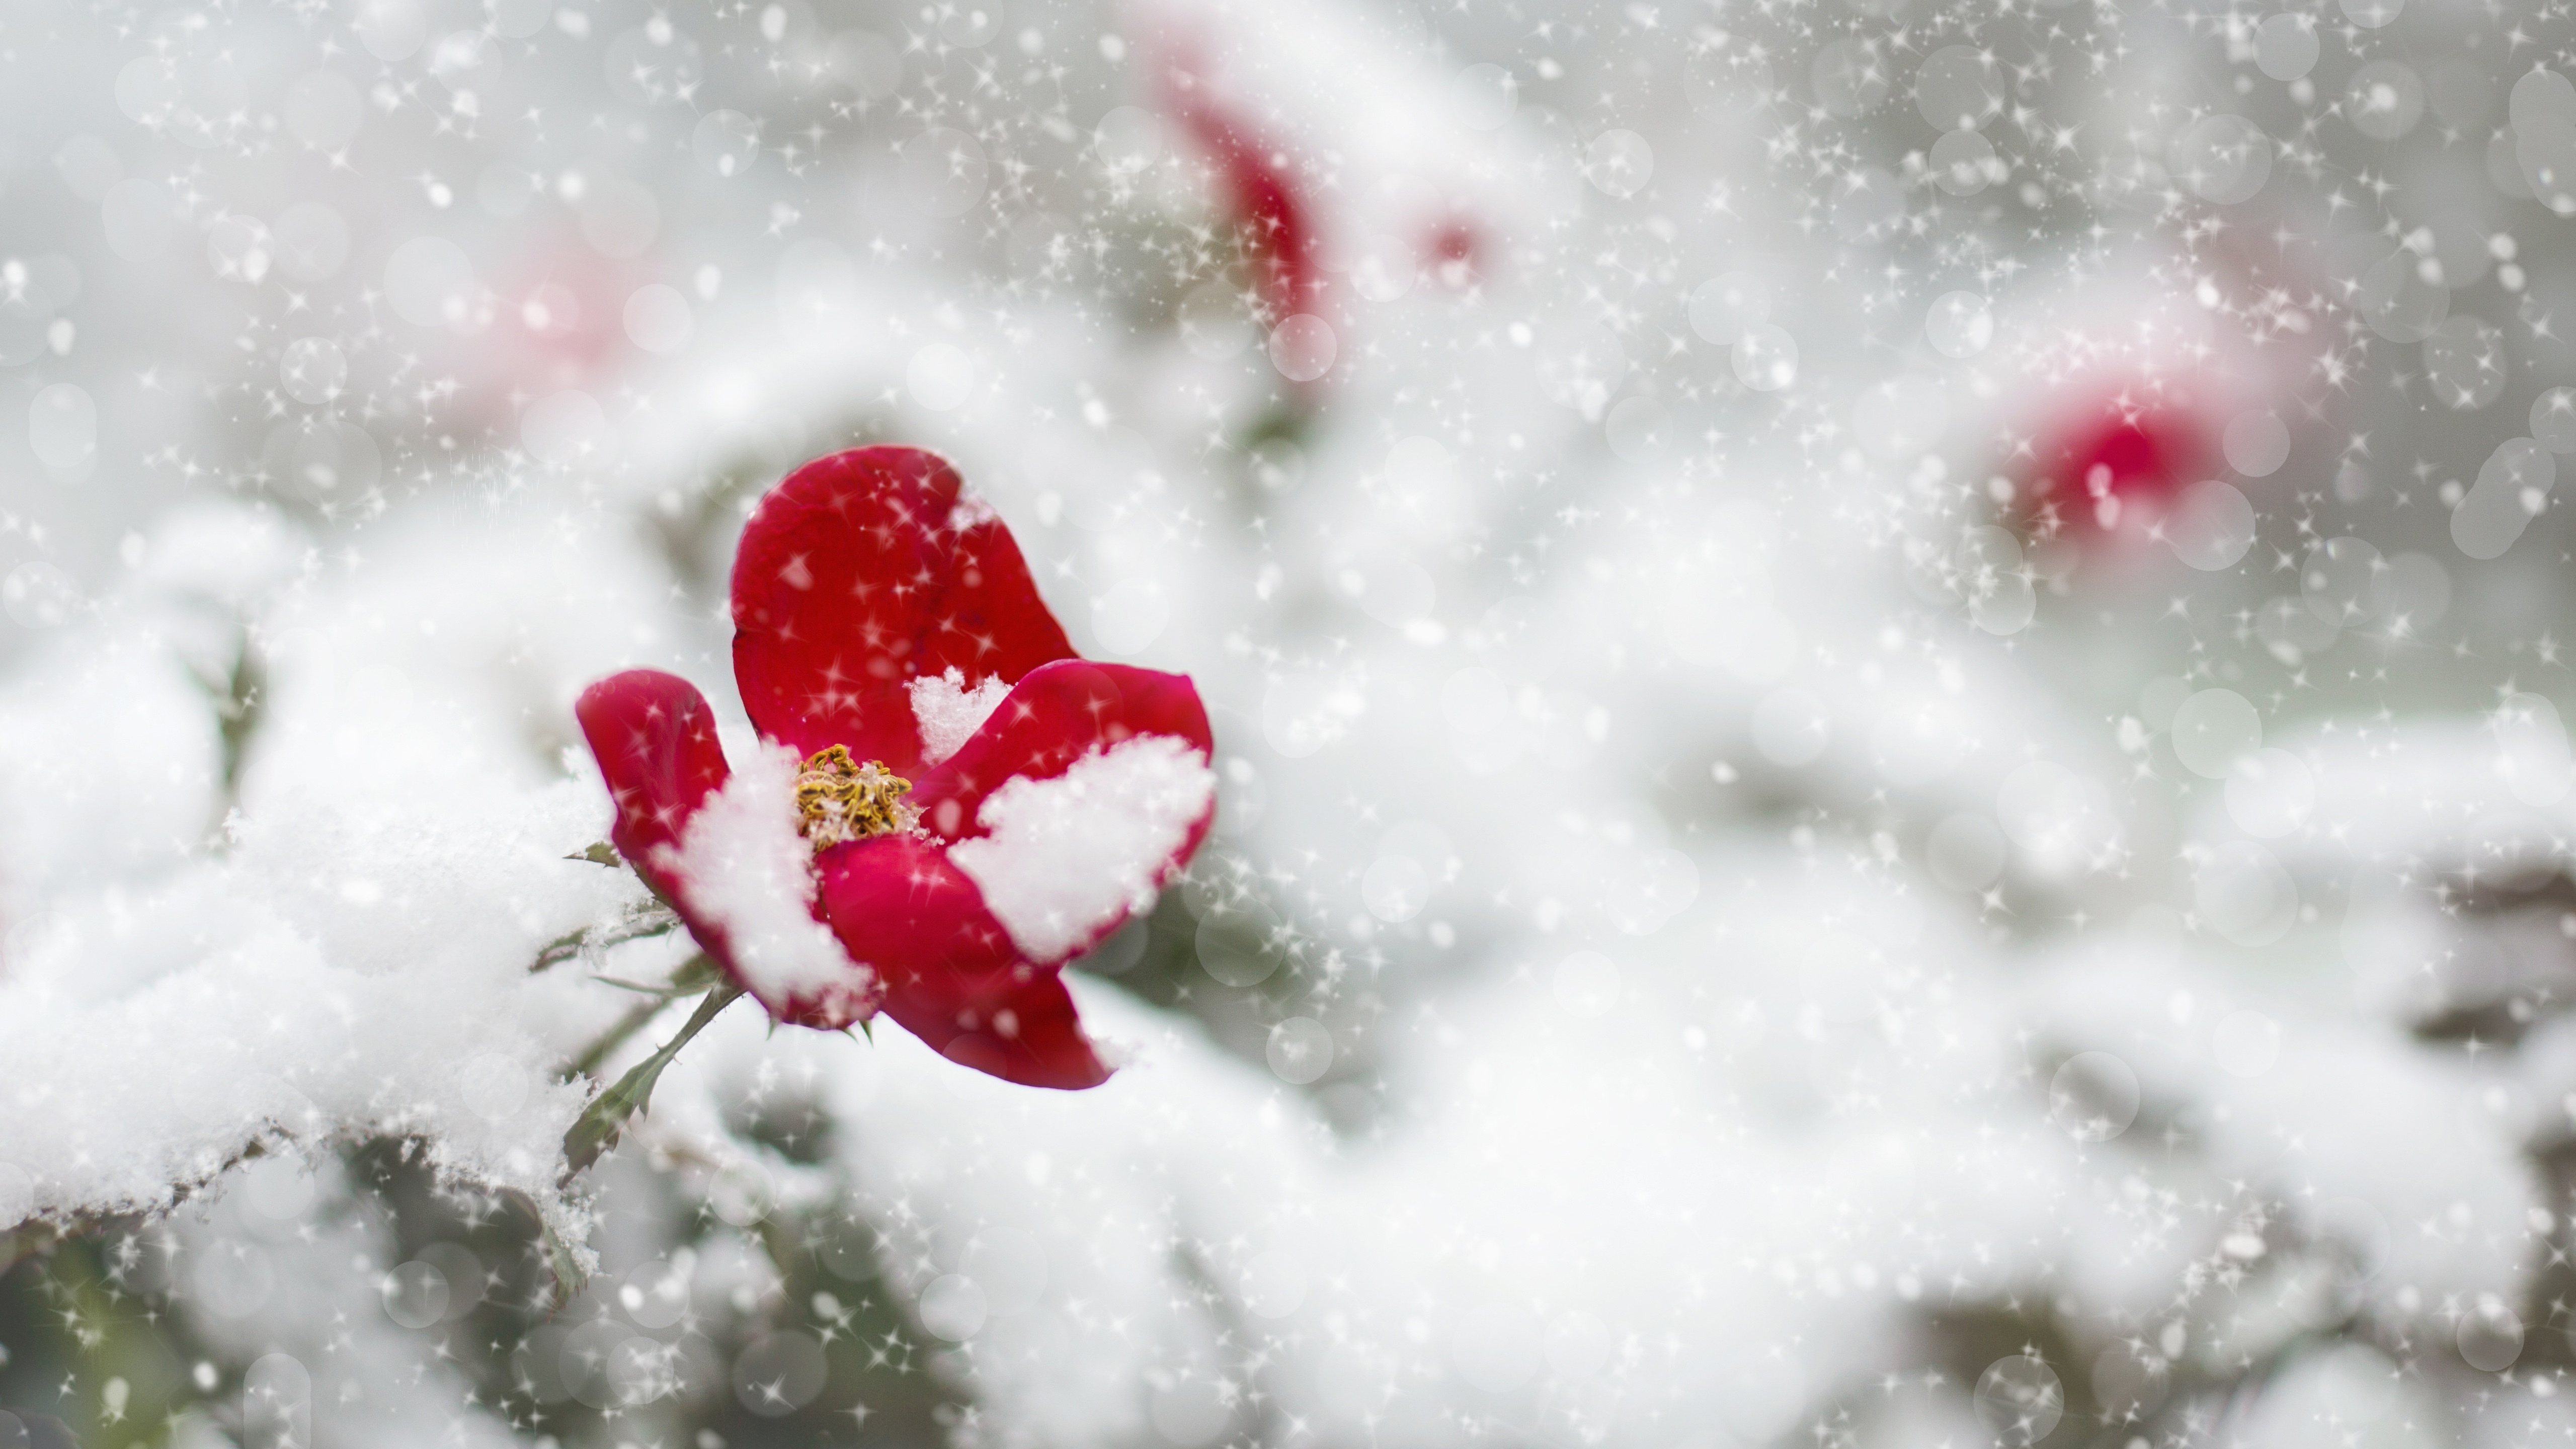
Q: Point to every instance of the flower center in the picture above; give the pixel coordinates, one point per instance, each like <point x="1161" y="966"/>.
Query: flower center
<point x="839" y="799"/>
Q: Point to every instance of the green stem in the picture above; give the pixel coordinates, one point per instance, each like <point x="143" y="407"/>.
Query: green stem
<point x="694" y="974"/>
<point x="587" y="1064"/>
<point x="640" y="925"/>
<point x="598" y="1127"/>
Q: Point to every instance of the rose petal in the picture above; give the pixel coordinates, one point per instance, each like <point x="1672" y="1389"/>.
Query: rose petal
<point x="951" y="975"/>
<point x="1033" y="1037"/>
<point x="746" y="875"/>
<point x="829" y="1008"/>
<point x="655" y="739"/>
<point x="860" y="571"/>
<point x="993" y="622"/>
<point x="1055" y="716"/>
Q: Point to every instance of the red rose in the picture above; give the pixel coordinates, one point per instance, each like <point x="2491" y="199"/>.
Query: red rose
<point x="949" y="803"/>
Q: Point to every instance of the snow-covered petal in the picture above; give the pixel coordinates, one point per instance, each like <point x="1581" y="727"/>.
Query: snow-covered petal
<point x="1066" y="858"/>
<point x="1058" y="714"/>
<point x="748" y="877"/>
<point x="655" y="739"/>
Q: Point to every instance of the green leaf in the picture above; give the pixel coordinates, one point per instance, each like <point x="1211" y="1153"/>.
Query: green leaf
<point x="599" y="852"/>
<point x="605" y="1119"/>
<point x="559" y="950"/>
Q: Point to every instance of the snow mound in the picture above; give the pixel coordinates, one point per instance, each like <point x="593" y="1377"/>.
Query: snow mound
<point x="751" y="874"/>
<point x="949" y="713"/>
<point x="1067" y="855"/>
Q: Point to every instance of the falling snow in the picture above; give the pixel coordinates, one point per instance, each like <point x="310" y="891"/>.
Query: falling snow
<point x="1889" y="683"/>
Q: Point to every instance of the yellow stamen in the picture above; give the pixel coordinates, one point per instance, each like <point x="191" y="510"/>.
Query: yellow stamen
<point x="839" y="799"/>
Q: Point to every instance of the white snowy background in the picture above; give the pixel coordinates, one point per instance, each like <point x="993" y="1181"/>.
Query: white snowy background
<point x="1724" y="928"/>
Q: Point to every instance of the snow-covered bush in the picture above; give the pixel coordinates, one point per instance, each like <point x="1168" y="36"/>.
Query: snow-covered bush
<point x="1744" y="723"/>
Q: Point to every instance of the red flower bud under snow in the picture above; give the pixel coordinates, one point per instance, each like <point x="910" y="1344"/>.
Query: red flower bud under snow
<point x="948" y="803"/>
<point x="2119" y="460"/>
<point x="1268" y="204"/>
